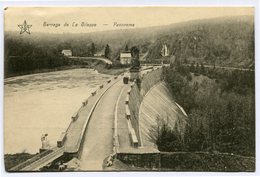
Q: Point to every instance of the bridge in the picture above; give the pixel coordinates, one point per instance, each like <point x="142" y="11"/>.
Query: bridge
<point x="105" y="60"/>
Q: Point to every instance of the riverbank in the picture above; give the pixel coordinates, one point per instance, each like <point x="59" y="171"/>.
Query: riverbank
<point x="110" y="70"/>
<point x="62" y="68"/>
<point x="100" y="67"/>
<point x="12" y="160"/>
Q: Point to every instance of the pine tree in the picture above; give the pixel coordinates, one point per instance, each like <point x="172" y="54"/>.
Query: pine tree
<point x="197" y="68"/>
<point x="202" y="68"/>
<point x="93" y="49"/>
<point x="107" y="51"/>
<point x="126" y="48"/>
<point x="192" y="68"/>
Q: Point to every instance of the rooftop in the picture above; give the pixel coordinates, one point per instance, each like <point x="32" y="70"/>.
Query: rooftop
<point x="66" y="50"/>
<point x="128" y="55"/>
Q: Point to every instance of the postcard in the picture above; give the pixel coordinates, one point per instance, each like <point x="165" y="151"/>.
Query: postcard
<point x="129" y="89"/>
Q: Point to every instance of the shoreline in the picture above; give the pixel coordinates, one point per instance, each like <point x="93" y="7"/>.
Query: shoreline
<point x="62" y="68"/>
<point x="99" y="67"/>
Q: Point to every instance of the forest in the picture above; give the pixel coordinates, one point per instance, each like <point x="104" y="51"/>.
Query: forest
<point x="220" y="105"/>
<point x="222" y="41"/>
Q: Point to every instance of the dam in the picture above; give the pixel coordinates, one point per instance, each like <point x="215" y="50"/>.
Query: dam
<point x="109" y="125"/>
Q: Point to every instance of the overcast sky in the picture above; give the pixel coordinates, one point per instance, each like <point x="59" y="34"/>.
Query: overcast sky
<point x="105" y="18"/>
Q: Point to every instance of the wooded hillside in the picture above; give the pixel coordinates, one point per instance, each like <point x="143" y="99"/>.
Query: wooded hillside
<point x="222" y="41"/>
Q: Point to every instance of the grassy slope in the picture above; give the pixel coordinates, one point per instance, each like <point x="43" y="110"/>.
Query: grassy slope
<point x="12" y="160"/>
<point x="188" y="161"/>
<point x="194" y="162"/>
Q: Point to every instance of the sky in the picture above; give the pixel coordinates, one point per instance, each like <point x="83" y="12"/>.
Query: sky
<point x="91" y="19"/>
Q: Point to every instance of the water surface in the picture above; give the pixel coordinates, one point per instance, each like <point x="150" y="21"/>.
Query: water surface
<point x="43" y="103"/>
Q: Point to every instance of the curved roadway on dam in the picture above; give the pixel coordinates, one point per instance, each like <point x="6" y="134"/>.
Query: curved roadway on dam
<point x="98" y="140"/>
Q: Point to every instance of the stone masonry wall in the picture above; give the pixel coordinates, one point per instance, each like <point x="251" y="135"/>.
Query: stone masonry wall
<point x="189" y="161"/>
<point x="137" y="94"/>
<point x="148" y="161"/>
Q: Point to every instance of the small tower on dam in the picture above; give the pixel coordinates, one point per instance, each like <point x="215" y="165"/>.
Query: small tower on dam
<point x="45" y="143"/>
<point x="135" y="69"/>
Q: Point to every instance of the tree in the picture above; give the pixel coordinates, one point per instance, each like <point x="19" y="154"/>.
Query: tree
<point x="135" y="57"/>
<point x="166" y="137"/>
<point x="185" y="61"/>
<point x="202" y="68"/>
<point x="126" y="48"/>
<point x="93" y="49"/>
<point x="197" y="68"/>
<point x="192" y="68"/>
<point x="107" y="51"/>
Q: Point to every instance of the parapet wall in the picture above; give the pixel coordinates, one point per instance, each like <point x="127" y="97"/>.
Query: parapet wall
<point x="78" y="125"/>
<point x="189" y="161"/>
<point x="146" y="160"/>
<point x="137" y="94"/>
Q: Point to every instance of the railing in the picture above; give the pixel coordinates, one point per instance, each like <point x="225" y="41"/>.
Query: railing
<point x="131" y="131"/>
<point x="133" y="100"/>
<point x="74" y="117"/>
<point x="136" y="95"/>
<point x="93" y="94"/>
<point x="31" y="160"/>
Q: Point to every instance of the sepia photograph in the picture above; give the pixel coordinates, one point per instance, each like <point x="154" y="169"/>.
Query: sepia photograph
<point x="144" y="88"/>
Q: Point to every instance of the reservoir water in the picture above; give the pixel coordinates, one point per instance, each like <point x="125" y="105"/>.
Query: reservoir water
<point x="43" y="103"/>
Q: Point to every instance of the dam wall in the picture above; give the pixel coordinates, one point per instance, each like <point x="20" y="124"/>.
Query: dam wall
<point x="158" y="107"/>
<point x="137" y="93"/>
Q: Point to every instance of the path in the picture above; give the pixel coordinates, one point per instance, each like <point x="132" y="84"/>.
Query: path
<point x="98" y="140"/>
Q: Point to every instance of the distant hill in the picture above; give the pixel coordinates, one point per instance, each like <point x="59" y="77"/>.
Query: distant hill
<point x="225" y="41"/>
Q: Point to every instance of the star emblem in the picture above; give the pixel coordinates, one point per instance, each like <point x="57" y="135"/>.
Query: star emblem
<point x="25" y="28"/>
